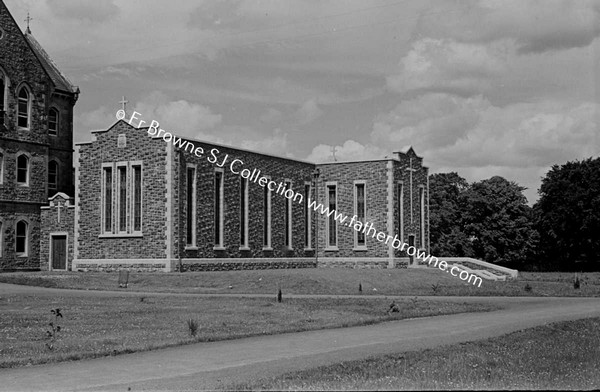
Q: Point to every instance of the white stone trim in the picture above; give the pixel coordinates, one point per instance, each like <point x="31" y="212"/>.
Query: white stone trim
<point x="390" y="211"/>
<point x="328" y="246"/>
<point x="356" y="246"/>
<point x="77" y="200"/>
<point x="168" y="208"/>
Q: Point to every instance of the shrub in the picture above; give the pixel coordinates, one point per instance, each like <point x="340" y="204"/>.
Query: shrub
<point x="576" y="284"/>
<point x="435" y="287"/>
<point x="527" y="287"/>
<point x="52" y="333"/>
<point x="279" y="296"/>
<point x="192" y="327"/>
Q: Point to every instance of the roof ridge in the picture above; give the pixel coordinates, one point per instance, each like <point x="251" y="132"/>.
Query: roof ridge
<point x="64" y="83"/>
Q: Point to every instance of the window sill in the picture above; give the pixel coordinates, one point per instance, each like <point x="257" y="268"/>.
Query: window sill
<point x="360" y="248"/>
<point x="121" y="235"/>
<point x="267" y="248"/>
<point x="22" y="256"/>
<point x="191" y="247"/>
<point x="22" y="185"/>
<point x="331" y="249"/>
<point x="308" y="249"/>
<point x="244" y="248"/>
<point x="219" y="248"/>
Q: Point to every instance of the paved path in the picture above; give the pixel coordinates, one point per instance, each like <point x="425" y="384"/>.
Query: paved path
<point x="218" y="364"/>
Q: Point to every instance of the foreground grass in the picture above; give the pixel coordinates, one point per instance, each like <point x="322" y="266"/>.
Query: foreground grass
<point x="563" y="356"/>
<point x="316" y="281"/>
<point x="103" y="325"/>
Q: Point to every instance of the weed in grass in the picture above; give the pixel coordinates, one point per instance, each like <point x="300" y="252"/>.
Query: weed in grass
<point x="279" y="296"/>
<point x="192" y="327"/>
<point x="142" y="299"/>
<point x="52" y="333"/>
<point x="435" y="287"/>
<point x="527" y="288"/>
<point x="360" y="287"/>
<point x="576" y="284"/>
<point x="394" y="308"/>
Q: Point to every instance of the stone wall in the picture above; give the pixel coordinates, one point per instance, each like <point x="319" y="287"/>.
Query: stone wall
<point x="57" y="218"/>
<point x="92" y="242"/>
<point x="374" y="173"/>
<point x="276" y="168"/>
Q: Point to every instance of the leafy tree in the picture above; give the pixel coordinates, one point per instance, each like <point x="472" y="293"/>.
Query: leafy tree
<point x="445" y="216"/>
<point x="568" y="216"/>
<point x="498" y="222"/>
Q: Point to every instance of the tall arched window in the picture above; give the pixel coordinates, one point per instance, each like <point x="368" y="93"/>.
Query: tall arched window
<point x="23" y="107"/>
<point x="22" y="238"/>
<point x="4" y="83"/>
<point x="52" y="175"/>
<point x="53" y="122"/>
<point x="22" y="170"/>
<point x="2" y="88"/>
<point x="1" y="167"/>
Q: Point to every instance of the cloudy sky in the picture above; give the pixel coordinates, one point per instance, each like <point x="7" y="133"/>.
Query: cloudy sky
<point x="483" y="88"/>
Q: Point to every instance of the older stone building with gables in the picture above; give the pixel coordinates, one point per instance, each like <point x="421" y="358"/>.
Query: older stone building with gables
<point x="36" y="141"/>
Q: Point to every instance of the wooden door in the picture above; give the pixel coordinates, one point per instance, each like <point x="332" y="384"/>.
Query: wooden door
<point x="59" y="252"/>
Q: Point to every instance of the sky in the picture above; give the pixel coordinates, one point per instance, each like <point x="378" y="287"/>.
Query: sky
<point x="482" y="88"/>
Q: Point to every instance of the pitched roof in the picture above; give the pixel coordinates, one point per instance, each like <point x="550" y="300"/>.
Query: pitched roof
<point x="61" y="82"/>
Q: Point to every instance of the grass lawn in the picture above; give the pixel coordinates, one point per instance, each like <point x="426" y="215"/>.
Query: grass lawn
<point x="561" y="356"/>
<point x="317" y="281"/>
<point x="95" y="326"/>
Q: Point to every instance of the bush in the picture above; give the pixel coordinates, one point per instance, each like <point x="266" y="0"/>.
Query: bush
<point x="576" y="284"/>
<point x="192" y="327"/>
<point x="527" y="287"/>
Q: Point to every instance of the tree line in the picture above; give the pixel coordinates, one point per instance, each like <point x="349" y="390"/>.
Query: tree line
<point x="490" y="220"/>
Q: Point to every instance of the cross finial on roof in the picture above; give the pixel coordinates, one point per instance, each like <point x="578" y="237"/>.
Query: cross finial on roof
<point x="28" y="19"/>
<point x="124" y="103"/>
<point x="333" y="149"/>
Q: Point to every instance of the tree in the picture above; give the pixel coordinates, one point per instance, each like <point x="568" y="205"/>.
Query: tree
<point x="445" y="215"/>
<point x="498" y="222"/>
<point x="568" y="215"/>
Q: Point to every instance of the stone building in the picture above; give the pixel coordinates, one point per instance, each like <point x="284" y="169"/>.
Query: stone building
<point x="141" y="200"/>
<point x="36" y="141"/>
<point x="148" y="201"/>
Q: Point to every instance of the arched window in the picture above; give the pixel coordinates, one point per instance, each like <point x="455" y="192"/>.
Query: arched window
<point x="1" y="167"/>
<point x="22" y="170"/>
<point x="53" y="122"/>
<point x="23" y="107"/>
<point x="2" y="88"/>
<point x="1" y="238"/>
<point x="52" y="175"/>
<point x="4" y="83"/>
<point x="22" y="238"/>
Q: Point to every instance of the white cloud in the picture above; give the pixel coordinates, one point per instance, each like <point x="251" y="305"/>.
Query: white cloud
<point x="94" y="11"/>
<point x="308" y="112"/>
<point x="447" y="65"/>
<point x="277" y="143"/>
<point x="533" y="26"/>
<point x="179" y="117"/>
<point x="349" y="151"/>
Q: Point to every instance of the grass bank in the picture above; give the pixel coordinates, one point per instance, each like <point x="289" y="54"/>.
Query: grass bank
<point x="102" y="325"/>
<point x="409" y="282"/>
<point x="560" y="356"/>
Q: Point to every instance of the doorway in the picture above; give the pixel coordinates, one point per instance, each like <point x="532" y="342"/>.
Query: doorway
<point x="58" y="252"/>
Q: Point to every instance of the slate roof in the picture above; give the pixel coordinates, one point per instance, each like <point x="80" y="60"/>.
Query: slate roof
<point x="61" y="82"/>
